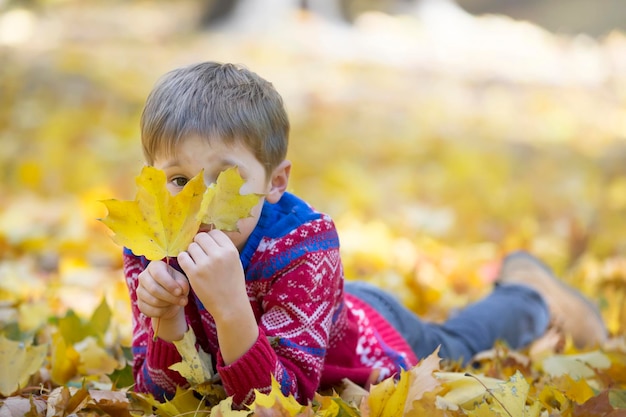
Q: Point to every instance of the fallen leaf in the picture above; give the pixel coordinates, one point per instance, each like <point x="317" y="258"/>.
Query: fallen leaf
<point x="426" y="406"/>
<point x="388" y="398"/>
<point x="461" y="389"/>
<point x="352" y="392"/>
<point x="225" y="409"/>
<point x="184" y="402"/>
<point x="64" y="401"/>
<point x="64" y="359"/>
<point x="617" y="398"/>
<point x="274" y="397"/>
<point x="18" y="361"/>
<point x="195" y="365"/>
<point x="578" y="391"/>
<point x="22" y="407"/>
<point x="596" y="406"/>
<point x="113" y="403"/>
<point x="553" y="399"/>
<point x="422" y="379"/>
<point x="94" y="360"/>
<point x="577" y="365"/>
<point x="511" y="398"/>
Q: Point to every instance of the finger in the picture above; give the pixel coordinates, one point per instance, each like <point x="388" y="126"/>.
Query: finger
<point x="163" y="275"/>
<point x="196" y="251"/>
<point x="182" y="280"/>
<point x="151" y="311"/>
<point x="187" y="264"/>
<point x="205" y="241"/>
<point x="155" y="295"/>
<point x="220" y="238"/>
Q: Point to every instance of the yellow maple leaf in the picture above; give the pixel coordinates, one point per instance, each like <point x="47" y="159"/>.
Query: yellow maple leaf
<point x="65" y="401"/>
<point x="64" y="358"/>
<point x="183" y="403"/>
<point x="18" y="361"/>
<point x="511" y="397"/>
<point x="578" y="391"/>
<point x="333" y="406"/>
<point x="276" y="396"/>
<point x="224" y="409"/>
<point x="422" y="379"/>
<point x="388" y="398"/>
<point x="553" y="399"/>
<point x="464" y="390"/>
<point x="508" y="399"/>
<point x="156" y="224"/>
<point x="195" y="364"/>
<point x="427" y="406"/>
<point x="223" y="205"/>
<point x="580" y="365"/>
<point x="94" y="359"/>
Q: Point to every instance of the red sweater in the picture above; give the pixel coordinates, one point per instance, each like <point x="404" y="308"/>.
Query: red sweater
<point x="311" y="334"/>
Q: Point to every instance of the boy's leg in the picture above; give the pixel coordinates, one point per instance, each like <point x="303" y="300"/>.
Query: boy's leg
<point x="514" y="313"/>
<point x="525" y="300"/>
<point x="570" y="311"/>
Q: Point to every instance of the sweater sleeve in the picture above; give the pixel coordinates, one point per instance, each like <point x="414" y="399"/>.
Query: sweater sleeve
<point x="298" y="306"/>
<point x="151" y="359"/>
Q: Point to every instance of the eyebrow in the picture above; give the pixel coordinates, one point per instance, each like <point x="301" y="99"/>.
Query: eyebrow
<point x="229" y="163"/>
<point x="171" y="164"/>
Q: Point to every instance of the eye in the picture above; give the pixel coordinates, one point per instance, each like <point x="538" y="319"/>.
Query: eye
<point x="180" y="181"/>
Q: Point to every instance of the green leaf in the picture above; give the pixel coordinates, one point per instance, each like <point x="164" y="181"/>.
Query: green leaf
<point x="617" y="398"/>
<point x="100" y="320"/>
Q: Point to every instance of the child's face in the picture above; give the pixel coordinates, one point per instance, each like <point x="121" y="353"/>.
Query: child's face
<point x="195" y="154"/>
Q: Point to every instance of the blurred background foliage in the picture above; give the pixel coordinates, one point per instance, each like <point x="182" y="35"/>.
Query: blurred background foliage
<point x="437" y="139"/>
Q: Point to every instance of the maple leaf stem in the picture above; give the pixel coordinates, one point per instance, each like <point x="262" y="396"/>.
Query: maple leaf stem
<point x="490" y="393"/>
<point x="35" y="388"/>
<point x="195" y="413"/>
<point x="156" y="330"/>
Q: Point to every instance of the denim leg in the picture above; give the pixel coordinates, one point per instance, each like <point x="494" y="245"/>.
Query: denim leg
<point x="514" y="313"/>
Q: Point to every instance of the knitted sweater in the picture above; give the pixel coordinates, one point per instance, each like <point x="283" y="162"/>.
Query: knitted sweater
<point x="311" y="334"/>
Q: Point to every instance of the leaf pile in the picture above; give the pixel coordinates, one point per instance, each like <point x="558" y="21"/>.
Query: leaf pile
<point x="157" y="224"/>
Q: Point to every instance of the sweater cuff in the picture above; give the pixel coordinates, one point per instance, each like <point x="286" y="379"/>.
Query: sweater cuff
<point x="161" y="354"/>
<point x="251" y="371"/>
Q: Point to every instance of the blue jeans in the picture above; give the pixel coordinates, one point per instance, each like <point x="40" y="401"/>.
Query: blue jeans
<point x="515" y="314"/>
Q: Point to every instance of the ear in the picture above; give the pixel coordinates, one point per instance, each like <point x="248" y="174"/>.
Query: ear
<point x="278" y="182"/>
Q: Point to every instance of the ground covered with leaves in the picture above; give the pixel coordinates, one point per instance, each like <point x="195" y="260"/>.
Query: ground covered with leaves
<point x="437" y="146"/>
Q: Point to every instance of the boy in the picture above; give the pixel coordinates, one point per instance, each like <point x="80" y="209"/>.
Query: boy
<point x="270" y="299"/>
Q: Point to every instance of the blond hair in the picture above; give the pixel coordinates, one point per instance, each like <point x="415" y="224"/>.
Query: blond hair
<point x="215" y="101"/>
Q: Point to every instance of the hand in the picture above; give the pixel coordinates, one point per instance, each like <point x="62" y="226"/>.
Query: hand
<point x="215" y="273"/>
<point x="162" y="291"/>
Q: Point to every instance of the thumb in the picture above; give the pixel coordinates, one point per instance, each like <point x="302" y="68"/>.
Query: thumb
<point x="181" y="280"/>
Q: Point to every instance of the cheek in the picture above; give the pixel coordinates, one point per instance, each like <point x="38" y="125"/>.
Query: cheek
<point x="246" y="226"/>
<point x="254" y="185"/>
<point x="172" y="188"/>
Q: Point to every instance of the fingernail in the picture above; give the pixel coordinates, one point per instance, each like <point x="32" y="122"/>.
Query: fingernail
<point x="177" y="291"/>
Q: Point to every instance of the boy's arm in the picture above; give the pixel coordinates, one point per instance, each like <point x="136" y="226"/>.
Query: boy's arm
<point x="295" y="326"/>
<point x="151" y="359"/>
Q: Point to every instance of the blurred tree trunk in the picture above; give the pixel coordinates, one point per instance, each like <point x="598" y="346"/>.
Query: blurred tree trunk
<point x="594" y="17"/>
